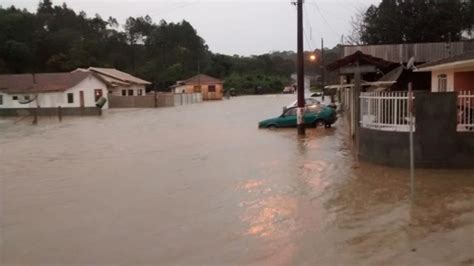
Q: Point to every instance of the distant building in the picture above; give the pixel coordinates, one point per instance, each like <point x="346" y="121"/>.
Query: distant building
<point x="119" y="83"/>
<point x="210" y="88"/>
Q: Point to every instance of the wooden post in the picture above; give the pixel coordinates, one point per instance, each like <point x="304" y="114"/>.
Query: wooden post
<point x="60" y="115"/>
<point x="35" y="115"/>
<point x="412" y="152"/>
<point x="356" y="95"/>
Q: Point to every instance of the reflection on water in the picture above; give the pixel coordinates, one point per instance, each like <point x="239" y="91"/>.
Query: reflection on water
<point x="165" y="186"/>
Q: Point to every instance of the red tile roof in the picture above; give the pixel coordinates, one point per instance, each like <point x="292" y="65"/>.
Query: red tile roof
<point x="119" y="76"/>
<point x="43" y="82"/>
<point x="202" y="79"/>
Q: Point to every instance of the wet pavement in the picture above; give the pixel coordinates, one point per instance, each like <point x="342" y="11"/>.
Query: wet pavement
<point x="201" y="185"/>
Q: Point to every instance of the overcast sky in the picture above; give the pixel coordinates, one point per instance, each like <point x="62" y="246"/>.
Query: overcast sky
<point x="243" y="27"/>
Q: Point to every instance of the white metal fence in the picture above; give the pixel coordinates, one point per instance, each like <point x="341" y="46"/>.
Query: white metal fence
<point x="465" y="111"/>
<point x="386" y="111"/>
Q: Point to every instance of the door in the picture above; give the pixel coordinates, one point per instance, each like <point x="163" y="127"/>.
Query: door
<point x="81" y="98"/>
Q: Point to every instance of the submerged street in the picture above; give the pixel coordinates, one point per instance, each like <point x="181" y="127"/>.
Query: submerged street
<point x="202" y="185"/>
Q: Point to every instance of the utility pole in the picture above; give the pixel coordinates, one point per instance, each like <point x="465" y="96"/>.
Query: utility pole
<point x="323" y="73"/>
<point x="412" y="150"/>
<point x="356" y="101"/>
<point x="300" y="70"/>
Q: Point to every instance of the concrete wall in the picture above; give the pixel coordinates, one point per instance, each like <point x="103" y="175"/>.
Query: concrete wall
<point x="68" y="111"/>
<point x="149" y="101"/>
<point x="55" y="99"/>
<point x="437" y="144"/>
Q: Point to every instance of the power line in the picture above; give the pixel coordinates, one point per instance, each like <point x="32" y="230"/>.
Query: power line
<point x="324" y="18"/>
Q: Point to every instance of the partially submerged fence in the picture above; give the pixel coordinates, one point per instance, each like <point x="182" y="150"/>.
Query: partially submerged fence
<point x="154" y="100"/>
<point x="465" y="112"/>
<point x="386" y="111"/>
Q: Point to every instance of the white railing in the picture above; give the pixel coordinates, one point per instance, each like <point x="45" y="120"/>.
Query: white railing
<point x="465" y="111"/>
<point x="386" y="111"/>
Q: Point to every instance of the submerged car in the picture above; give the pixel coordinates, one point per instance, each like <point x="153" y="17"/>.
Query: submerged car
<point x="316" y="116"/>
<point x="307" y="101"/>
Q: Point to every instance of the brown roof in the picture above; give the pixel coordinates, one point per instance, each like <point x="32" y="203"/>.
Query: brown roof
<point x="43" y="82"/>
<point x="202" y="79"/>
<point x="114" y="76"/>
<point x="363" y="59"/>
<point x="453" y="59"/>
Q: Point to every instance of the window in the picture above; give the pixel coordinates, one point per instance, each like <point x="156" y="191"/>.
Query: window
<point x="14" y="97"/>
<point x="442" y="83"/>
<point x="124" y="93"/>
<point x="291" y="111"/>
<point x="70" y="98"/>
<point x="26" y="97"/>
<point x="140" y="92"/>
<point x="211" y="88"/>
<point x="197" y="88"/>
<point x="130" y="92"/>
<point x="1" y="99"/>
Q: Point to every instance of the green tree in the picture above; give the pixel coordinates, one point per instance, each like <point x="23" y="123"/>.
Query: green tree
<point x="398" y="21"/>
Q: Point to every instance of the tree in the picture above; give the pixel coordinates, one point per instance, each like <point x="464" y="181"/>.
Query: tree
<point x="398" y="21"/>
<point x="357" y="28"/>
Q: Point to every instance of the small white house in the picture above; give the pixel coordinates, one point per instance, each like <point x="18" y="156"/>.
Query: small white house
<point x="119" y="83"/>
<point x="51" y="90"/>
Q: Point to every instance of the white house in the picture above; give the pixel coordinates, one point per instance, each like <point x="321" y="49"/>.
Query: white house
<point x="454" y="73"/>
<point x="50" y="90"/>
<point x="119" y="83"/>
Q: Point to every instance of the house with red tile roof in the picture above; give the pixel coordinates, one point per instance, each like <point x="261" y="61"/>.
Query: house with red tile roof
<point x="210" y="87"/>
<point x="81" y="88"/>
<point x="51" y="90"/>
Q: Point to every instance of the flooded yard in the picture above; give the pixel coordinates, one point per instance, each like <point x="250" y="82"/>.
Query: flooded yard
<point x="202" y="185"/>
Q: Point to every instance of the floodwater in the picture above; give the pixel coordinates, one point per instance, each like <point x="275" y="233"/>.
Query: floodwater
<point x="201" y="185"/>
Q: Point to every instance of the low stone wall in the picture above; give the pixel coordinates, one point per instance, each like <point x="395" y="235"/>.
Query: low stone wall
<point x="437" y="144"/>
<point x="74" y="111"/>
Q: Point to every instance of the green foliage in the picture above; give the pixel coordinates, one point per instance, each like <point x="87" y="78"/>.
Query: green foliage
<point x="56" y="39"/>
<point x="255" y="83"/>
<point x="398" y="21"/>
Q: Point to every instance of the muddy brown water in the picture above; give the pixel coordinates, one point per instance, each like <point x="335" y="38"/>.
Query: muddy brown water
<point x="201" y="185"/>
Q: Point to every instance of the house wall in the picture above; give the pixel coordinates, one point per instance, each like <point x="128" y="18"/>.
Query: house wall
<point x="55" y="99"/>
<point x="464" y="81"/>
<point x="451" y="76"/>
<point x="437" y="144"/>
<point x="206" y="95"/>
<point x="117" y="91"/>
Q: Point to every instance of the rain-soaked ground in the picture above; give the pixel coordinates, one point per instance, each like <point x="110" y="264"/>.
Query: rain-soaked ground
<point x="201" y="185"/>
